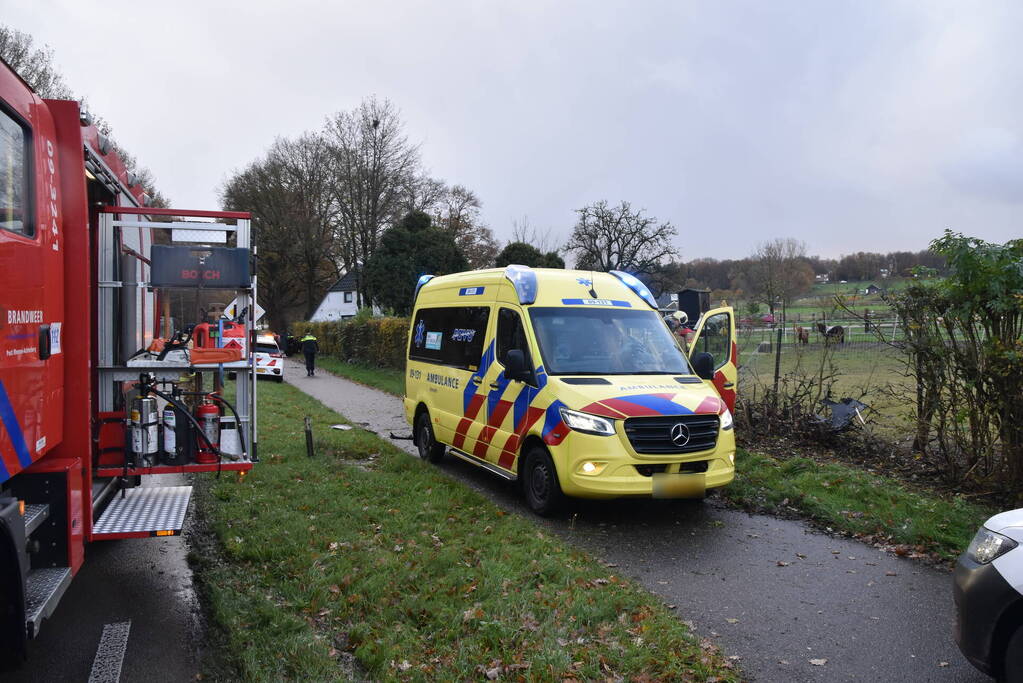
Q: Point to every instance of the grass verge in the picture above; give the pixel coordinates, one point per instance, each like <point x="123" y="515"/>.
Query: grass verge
<point x="843" y="498"/>
<point x="364" y="553"/>
<point x="386" y="379"/>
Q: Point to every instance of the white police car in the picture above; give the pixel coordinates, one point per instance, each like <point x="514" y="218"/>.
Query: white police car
<point x="989" y="598"/>
<point x="269" y="359"/>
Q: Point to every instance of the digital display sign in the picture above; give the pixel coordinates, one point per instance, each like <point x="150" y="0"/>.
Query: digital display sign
<point x="213" y="267"/>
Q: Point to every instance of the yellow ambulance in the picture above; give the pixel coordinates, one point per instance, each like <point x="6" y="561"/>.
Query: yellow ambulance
<point x="570" y="383"/>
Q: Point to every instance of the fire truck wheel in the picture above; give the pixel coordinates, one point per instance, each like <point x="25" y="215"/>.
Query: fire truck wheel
<point x="278" y="379"/>
<point x="429" y="449"/>
<point x="540" y="482"/>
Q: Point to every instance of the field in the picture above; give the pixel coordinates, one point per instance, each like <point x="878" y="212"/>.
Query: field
<point x="869" y="371"/>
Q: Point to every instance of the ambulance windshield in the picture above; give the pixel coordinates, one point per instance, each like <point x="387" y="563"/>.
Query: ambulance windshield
<point x="606" y="341"/>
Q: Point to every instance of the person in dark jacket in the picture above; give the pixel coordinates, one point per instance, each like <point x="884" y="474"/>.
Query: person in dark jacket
<point x="310" y="347"/>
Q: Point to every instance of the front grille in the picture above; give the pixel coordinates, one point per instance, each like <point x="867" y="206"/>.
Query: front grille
<point x="652" y="435"/>
<point x="650" y="470"/>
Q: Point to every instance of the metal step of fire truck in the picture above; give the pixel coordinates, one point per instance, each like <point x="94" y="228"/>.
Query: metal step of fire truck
<point x="144" y="511"/>
<point x="35" y="514"/>
<point x="44" y="590"/>
<point x="45" y="585"/>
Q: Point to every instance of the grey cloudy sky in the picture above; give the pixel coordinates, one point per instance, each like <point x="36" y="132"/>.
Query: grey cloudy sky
<point x="849" y="125"/>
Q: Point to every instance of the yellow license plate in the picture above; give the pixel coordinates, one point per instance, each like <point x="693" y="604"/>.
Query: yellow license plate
<point x="688" y="485"/>
<point x="260" y="369"/>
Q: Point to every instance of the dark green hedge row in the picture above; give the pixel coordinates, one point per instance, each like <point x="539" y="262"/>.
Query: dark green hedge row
<point x="374" y="341"/>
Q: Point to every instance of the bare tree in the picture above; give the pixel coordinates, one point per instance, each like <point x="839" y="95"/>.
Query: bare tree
<point x="618" y="238"/>
<point x="777" y="272"/>
<point x="422" y="193"/>
<point x="459" y="214"/>
<point x="544" y="241"/>
<point x="372" y="162"/>
<point x="291" y="197"/>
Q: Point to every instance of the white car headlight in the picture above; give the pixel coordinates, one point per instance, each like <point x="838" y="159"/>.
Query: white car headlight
<point x="726" y="419"/>
<point x="987" y="545"/>
<point x="589" y="424"/>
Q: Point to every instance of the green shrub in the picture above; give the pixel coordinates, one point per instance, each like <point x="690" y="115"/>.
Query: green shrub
<point x="373" y="341"/>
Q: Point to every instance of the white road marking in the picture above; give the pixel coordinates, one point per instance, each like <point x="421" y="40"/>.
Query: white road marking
<point x="106" y="667"/>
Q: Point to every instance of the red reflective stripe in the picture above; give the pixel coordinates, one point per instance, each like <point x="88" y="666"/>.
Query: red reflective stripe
<point x="711" y="405"/>
<point x="602" y="409"/>
<point x="628" y="409"/>
<point x="556" y="435"/>
<point x="470" y="414"/>
<point x="483" y="441"/>
<point x="463" y="427"/>
<point x="511" y="446"/>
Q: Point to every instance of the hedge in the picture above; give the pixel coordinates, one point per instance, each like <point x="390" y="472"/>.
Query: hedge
<point x="373" y="341"/>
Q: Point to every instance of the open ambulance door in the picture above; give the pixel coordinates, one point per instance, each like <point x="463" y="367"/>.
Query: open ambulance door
<point x="715" y="334"/>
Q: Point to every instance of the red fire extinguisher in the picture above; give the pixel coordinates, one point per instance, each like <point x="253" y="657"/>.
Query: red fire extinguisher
<point x="208" y="415"/>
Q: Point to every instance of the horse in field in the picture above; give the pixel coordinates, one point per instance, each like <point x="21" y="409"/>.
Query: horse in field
<point x="834" y="333"/>
<point x="802" y="335"/>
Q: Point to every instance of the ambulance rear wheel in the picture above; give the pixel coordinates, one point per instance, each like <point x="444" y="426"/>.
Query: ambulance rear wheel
<point x="540" y="482"/>
<point x="429" y="449"/>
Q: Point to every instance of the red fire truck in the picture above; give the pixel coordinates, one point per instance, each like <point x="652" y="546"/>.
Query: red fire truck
<point x="100" y="386"/>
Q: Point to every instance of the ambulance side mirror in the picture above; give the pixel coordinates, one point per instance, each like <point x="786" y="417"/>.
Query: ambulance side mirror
<point x="515" y="366"/>
<point x="703" y="364"/>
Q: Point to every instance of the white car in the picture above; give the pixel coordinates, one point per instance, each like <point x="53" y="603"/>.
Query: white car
<point x="269" y="359"/>
<point x="989" y="598"/>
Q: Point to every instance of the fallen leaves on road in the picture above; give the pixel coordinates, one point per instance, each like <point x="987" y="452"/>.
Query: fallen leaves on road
<point x="818" y="662"/>
<point x="782" y="563"/>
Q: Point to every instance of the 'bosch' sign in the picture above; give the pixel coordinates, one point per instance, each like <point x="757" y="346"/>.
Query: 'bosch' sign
<point x="220" y="267"/>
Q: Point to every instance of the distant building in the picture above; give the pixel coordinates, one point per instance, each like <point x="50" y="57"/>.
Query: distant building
<point x="341" y="302"/>
<point x="873" y="289"/>
<point x="667" y="302"/>
<point x="821" y="277"/>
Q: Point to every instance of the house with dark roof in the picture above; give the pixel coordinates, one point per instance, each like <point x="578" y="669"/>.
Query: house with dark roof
<point x="341" y="302"/>
<point x="873" y="289"/>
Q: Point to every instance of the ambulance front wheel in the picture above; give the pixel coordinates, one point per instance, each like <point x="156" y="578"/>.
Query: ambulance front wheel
<point x="429" y="449"/>
<point x="540" y="482"/>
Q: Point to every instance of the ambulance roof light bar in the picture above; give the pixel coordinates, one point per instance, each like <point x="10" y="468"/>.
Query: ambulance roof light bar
<point x="637" y="286"/>
<point x="524" y="280"/>
<point x="423" y="279"/>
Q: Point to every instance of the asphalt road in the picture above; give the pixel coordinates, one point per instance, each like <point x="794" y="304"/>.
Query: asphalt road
<point x="140" y="591"/>
<point x="774" y="593"/>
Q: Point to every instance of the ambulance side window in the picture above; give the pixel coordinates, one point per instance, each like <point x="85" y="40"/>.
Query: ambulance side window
<point x="511" y="335"/>
<point x="715" y="339"/>
<point x="449" y="336"/>
<point x="15" y="204"/>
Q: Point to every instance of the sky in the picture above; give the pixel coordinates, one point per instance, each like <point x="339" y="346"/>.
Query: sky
<point x="852" y="126"/>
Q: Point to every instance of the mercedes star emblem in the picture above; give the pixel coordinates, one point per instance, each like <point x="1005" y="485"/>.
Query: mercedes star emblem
<point x="680" y="434"/>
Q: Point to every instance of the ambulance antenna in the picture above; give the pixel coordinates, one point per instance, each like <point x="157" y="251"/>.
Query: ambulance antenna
<point x="593" y="292"/>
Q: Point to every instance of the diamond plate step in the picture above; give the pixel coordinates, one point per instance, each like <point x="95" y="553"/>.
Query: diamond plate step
<point x="35" y="514"/>
<point x="144" y="511"/>
<point x="44" y="590"/>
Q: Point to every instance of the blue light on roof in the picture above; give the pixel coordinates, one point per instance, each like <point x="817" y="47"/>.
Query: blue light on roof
<point x="423" y="279"/>
<point x="524" y="280"/>
<point x="637" y="286"/>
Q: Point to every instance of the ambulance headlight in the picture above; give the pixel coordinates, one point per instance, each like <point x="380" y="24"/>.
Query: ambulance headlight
<point x="586" y="423"/>
<point x="726" y="419"/>
<point x="987" y="545"/>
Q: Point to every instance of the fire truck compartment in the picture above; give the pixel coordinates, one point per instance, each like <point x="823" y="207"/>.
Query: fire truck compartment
<point x="144" y="511"/>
